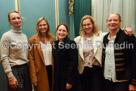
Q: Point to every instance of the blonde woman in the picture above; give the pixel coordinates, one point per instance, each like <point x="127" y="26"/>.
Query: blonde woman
<point x="40" y="56"/>
<point x="119" y="61"/>
<point x="90" y="54"/>
<point x="90" y="46"/>
<point x="14" y="56"/>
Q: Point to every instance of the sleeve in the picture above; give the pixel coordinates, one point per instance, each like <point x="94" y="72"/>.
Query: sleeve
<point x="77" y="39"/>
<point x="5" y="52"/>
<point x="132" y="40"/>
<point x="31" y="58"/>
<point x="0" y="48"/>
<point x="73" y="63"/>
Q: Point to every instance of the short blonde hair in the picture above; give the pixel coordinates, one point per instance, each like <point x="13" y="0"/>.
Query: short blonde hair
<point x="95" y="28"/>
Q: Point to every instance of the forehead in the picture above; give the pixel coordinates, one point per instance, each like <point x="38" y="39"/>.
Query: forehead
<point x="86" y="21"/>
<point x="62" y="27"/>
<point x="113" y="16"/>
<point x="14" y="15"/>
<point x="42" y="21"/>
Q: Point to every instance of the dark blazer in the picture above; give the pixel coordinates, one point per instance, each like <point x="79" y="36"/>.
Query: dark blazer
<point x="125" y="60"/>
<point x="66" y="65"/>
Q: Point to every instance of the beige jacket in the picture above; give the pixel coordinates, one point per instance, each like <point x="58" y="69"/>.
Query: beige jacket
<point x="97" y="45"/>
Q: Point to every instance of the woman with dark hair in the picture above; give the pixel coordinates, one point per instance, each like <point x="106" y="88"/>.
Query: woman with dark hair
<point x="65" y="54"/>
<point x="40" y="57"/>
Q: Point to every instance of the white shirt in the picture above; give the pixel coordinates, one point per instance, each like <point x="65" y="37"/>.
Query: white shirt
<point x="109" y="68"/>
<point x="47" y="50"/>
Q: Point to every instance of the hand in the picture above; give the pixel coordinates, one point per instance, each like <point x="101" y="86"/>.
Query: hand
<point x="128" y="31"/>
<point x="132" y="87"/>
<point x="35" y="84"/>
<point x="68" y="86"/>
<point x="13" y="83"/>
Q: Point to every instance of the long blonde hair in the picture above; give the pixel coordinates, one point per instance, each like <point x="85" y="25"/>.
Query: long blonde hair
<point x="95" y="28"/>
<point x="50" y="37"/>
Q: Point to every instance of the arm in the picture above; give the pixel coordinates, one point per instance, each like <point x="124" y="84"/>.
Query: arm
<point x="0" y="48"/>
<point x="73" y="64"/>
<point x="5" y="47"/>
<point x="31" y="58"/>
<point x="132" y="53"/>
<point x="5" y="52"/>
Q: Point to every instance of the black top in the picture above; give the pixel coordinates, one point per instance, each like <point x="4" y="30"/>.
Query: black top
<point x="125" y="56"/>
<point x="66" y="65"/>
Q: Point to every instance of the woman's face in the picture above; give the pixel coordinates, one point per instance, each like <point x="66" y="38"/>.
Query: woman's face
<point x="113" y="22"/>
<point x="15" y="20"/>
<point x="61" y="32"/>
<point x="87" y="26"/>
<point x="43" y="27"/>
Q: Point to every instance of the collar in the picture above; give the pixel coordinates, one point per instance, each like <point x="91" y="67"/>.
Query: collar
<point x="16" y="30"/>
<point x="112" y="38"/>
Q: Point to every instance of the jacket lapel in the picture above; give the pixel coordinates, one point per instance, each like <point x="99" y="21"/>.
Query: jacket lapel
<point x="81" y="48"/>
<point x="105" y="40"/>
<point x="62" y="47"/>
<point x="57" y="50"/>
<point x="38" y="45"/>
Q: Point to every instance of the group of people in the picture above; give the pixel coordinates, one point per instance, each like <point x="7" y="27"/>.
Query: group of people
<point x="90" y="62"/>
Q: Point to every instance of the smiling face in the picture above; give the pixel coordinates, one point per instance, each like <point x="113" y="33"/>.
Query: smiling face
<point x="43" y="27"/>
<point x="61" y="32"/>
<point x="15" y="19"/>
<point x="87" y="26"/>
<point x="113" y="22"/>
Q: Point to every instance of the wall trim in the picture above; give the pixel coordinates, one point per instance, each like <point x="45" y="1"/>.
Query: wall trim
<point x="57" y="12"/>
<point x="17" y="5"/>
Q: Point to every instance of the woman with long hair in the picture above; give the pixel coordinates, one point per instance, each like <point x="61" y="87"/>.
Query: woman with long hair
<point x="40" y="57"/>
<point x="90" y="54"/>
